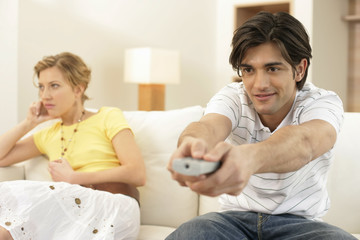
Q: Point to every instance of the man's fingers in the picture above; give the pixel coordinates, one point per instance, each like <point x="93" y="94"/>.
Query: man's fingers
<point x="218" y="152"/>
<point x="198" y="149"/>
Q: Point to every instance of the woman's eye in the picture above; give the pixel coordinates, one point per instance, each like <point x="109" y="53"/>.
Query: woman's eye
<point x="54" y="85"/>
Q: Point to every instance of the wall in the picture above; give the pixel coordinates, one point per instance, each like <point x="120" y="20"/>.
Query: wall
<point x="8" y="63"/>
<point x="328" y="36"/>
<point x="99" y="31"/>
<point x="330" y="46"/>
<point x="301" y="9"/>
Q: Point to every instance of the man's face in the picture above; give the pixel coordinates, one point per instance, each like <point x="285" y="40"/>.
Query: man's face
<point x="270" y="82"/>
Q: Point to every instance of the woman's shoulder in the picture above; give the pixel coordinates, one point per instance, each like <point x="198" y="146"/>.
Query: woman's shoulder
<point x="107" y="113"/>
<point x="47" y="129"/>
<point x="109" y="110"/>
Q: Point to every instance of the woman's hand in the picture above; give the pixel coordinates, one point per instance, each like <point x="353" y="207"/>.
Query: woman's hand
<point x="61" y="171"/>
<point x="37" y="113"/>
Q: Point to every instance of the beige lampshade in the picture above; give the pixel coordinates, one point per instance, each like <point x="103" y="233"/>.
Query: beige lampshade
<point x="152" y="66"/>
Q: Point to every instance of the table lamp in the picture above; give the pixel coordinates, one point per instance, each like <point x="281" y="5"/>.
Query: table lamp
<point x="151" y="68"/>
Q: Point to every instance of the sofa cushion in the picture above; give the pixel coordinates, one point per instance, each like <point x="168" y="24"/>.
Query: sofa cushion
<point x="15" y="172"/>
<point x="37" y="169"/>
<point x="151" y="232"/>
<point x="208" y="204"/>
<point x="344" y="177"/>
<point x="163" y="201"/>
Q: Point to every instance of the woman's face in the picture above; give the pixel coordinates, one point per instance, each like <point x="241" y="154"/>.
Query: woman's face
<point x="56" y="94"/>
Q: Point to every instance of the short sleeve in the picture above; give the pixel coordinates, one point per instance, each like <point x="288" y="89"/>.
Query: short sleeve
<point x="39" y="140"/>
<point x="226" y="102"/>
<point x="45" y="137"/>
<point x="115" y="122"/>
<point x="327" y="107"/>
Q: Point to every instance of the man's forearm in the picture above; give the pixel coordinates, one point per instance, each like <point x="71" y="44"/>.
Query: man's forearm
<point x="292" y="147"/>
<point x="212" y="128"/>
<point x="200" y="131"/>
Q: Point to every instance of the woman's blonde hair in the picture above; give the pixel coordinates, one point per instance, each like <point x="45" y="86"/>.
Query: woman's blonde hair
<point x="75" y="71"/>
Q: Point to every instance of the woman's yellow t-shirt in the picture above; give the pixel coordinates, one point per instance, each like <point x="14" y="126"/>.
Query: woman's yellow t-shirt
<point x="91" y="148"/>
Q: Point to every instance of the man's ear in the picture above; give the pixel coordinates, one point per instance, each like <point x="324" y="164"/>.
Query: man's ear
<point x="300" y="70"/>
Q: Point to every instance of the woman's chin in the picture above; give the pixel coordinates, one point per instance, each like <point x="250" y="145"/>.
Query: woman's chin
<point x="53" y="115"/>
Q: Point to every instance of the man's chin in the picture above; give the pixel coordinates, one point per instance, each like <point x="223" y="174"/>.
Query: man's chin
<point x="264" y="110"/>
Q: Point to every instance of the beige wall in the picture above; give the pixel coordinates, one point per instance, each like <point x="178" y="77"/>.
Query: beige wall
<point x="328" y="36"/>
<point x="8" y="64"/>
<point x="99" y="31"/>
<point x="330" y="46"/>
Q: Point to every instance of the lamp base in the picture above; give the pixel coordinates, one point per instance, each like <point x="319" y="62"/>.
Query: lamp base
<point x="151" y="97"/>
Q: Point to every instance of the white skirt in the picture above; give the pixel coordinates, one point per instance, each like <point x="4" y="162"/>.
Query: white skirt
<point x="57" y="210"/>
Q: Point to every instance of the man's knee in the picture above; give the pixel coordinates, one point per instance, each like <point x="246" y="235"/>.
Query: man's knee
<point x="335" y="233"/>
<point x="325" y="231"/>
<point x="208" y="226"/>
<point x="196" y="228"/>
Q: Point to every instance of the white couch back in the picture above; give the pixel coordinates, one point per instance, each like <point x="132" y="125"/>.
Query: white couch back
<point x="179" y="204"/>
<point x="165" y="203"/>
<point x="344" y="177"/>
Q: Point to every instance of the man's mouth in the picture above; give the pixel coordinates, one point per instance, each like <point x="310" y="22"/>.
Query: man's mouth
<point x="263" y="96"/>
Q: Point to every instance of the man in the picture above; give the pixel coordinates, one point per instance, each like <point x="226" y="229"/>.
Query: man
<point x="274" y="136"/>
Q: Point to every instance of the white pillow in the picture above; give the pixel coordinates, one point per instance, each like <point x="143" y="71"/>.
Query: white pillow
<point x="344" y="178"/>
<point x="163" y="201"/>
<point x="12" y="173"/>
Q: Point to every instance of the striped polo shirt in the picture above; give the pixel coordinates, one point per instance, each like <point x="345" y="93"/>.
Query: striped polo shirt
<point x="302" y="192"/>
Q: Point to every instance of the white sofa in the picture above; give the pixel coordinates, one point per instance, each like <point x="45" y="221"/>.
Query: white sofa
<point x="165" y="204"/>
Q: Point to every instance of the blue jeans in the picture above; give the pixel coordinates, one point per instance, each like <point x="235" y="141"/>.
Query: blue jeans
<point x="236" y="225"/>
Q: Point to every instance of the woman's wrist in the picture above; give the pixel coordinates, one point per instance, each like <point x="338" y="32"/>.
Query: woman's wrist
<point x="82" y="178"/>
<point x="27" y="125"/>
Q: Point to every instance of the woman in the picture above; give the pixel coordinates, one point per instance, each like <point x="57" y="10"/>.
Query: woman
<point x="93" y="160"/>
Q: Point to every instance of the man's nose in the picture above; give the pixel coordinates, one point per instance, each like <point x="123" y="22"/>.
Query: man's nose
<point x="261" y="80"/>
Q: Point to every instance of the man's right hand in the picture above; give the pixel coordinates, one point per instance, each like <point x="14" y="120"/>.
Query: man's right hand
<point x="231" y="178"/>
<point x="189" y="147"/>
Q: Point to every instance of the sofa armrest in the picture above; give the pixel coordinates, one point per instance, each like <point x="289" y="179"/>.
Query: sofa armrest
<point x="208" y="204"/>
<point x="16" y="172"/>
<point x="36" y="169"/>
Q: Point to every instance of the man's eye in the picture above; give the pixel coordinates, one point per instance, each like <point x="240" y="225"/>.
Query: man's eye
<point x="245" y="71"/>
<point x="273" y="69"/>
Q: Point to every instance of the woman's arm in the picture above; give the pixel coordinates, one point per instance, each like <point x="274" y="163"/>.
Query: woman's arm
<point x="21" y="151"/>
<point x="11" y="149"/>
<point x="131" y="170"/>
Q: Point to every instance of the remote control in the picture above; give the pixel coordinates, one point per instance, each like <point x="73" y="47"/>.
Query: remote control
<point x="194" y="167"/>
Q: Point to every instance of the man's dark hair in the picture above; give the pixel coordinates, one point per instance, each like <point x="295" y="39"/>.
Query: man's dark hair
<point x="280" y="28"/>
